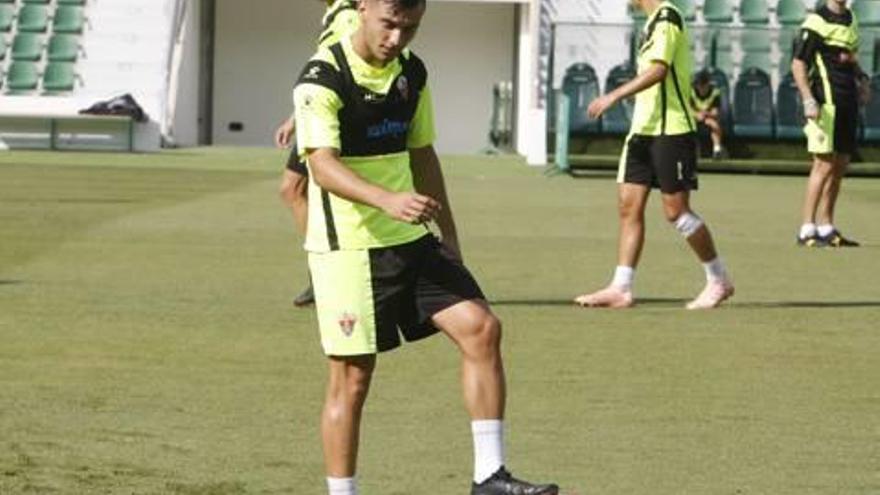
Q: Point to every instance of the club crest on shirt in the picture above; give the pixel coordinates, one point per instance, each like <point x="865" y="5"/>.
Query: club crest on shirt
<point x="313" y="72"/>
<point x="347" y="321"/>
<point x="403" y="87"/>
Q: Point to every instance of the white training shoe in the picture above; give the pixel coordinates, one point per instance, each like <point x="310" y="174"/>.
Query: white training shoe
<point x="715" y="293"/>
<point x="610" y="297"/>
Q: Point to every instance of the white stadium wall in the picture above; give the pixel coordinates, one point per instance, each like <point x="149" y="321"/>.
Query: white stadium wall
<point x="260" y="47"/>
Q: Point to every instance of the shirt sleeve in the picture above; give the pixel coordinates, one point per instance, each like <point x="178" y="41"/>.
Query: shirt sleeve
<point x="807" y="45"/>
<point x="663" y="42"/>
<point x="422" y="132"/>
<point x="316" y="110"/>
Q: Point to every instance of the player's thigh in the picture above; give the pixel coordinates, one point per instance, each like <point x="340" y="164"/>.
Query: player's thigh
<point x="675" y="162"/>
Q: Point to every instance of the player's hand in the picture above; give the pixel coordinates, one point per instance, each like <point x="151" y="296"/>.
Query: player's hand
<point x="811" y="109"/>
<point x="411" y="207"/>
<point x="599" y="106"/>
<point x="283" y="134"/>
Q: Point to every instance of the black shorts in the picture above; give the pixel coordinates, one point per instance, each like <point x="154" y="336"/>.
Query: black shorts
<point x="366" y="300"/>
<point x="846" y="121"/>
<point x="295" y="164"/>
<point x="665" y="162"/>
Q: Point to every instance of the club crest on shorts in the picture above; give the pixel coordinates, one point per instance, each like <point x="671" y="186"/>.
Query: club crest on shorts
<point x="347" y="321"/>
<point x="403" y="87"/>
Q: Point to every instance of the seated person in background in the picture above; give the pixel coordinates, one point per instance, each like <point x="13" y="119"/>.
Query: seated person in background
<point x="706" y="103"/>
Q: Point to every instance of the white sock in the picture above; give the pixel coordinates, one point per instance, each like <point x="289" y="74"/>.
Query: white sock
<point x="825" y="230"/>
<point x="341" y="486"/>
<point x="715" y="271"/>
<point x="488" y="447"/>
<point x="716" y="148"/>
<point x="808" y="230"/>
<point x="623" y="277"/>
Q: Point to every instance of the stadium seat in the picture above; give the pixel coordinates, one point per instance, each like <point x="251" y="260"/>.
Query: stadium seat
<point x="582" y="86"/>
<point x="68" y="19"/>
<point x="688" y="9"/>
<point x="872" y="112"/>
<point x="71" y="2"/>
<point x="753" y="105"/>
<point x="785" y="42"/>
<point x="758" y="60"/>
<point x="59" y="76"/>
<point x="791" y="12"/>
<point x="22" y="76"/>
<point x="867" y="43"/>
<point x="63" y="48"/>
<point x="2" y="48"/>
<point x="789" y="109"/>
<point x="618" y="118"/>
<point x="7" y="15"/>
<point x="27" y="46"/>
<point x="718" y="11"/>
<point x="33" y="19"/>
<point x="754" y="12"/>
<point x="39" y="2"/>
<point x="7" y="1"/>
<point x="867" y="12"/>
<point x="755" y="40"/>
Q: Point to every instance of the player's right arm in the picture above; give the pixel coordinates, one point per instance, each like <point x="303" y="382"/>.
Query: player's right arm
<point x="317" y="121"/>
<point x="804" y="53"/>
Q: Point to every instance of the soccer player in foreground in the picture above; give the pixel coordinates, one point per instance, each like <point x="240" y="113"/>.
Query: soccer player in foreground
<point x="365" y="123"/>
<point x="828" y="76"/>
<point x="340" y="19"/>
<point x="660" y="151"/>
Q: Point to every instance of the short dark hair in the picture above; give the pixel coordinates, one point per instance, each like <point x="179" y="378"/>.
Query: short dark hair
<point x="703" y="77"/>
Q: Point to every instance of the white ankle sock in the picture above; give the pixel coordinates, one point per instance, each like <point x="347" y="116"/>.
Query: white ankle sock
<point x="623" y="277"/>
<point x="488" y="447"/>
<point x="716" y="148"/>
<point x="808" y="230"/>
<point x="341" y="486"/>
<point x="715" y="271"/>
<point x="825" y="229"/>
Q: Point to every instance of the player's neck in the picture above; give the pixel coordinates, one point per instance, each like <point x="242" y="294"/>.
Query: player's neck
<point x="649" y="6"/>
<point x="837" y="8"/>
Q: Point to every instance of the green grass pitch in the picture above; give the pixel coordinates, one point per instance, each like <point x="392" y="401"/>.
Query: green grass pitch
<point x="148" y="344"/>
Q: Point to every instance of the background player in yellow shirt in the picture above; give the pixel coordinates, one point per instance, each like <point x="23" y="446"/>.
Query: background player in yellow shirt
<point x="340" y="19"/>
<point x="660" y="151"/>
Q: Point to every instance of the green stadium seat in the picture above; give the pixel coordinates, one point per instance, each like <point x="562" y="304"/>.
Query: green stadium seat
<point x="27" y="46"/>
<point x="38" y="2"/>
<point x="63" y="48"/>
<point x="867" y="12"/>
<point x="618" y="118"/>
<point x="791" y="12"/>
<point x="22" y="76"/>
<point x="7" y="1"/>
<point x="867" y="42"/>
<point x="33" y="19"/>
<point x="872" y="112"/>
<point x="756" y="40"/>
<point x="688" y="9"/>
<point x="785" y="42"/>
<point x="59" y="77"/>
<point x="789" y="109"/>
<point x="753" y="105"/>
<point x="7" y="16"/>
<point x="71" y="2"/>
<point x="754" y="12"/>
<point x="2" y="48"/>
<point x="68" y="19"/>
<point x="581" y="85"/>
<point x="718" y="11"/>
<point x="759" y="60"/>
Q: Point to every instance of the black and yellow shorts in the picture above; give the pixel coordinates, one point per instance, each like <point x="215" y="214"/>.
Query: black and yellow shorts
<point x="366" y="299"/>
<point x="295" y="163"/>
<point x="665" y="162"/>
<point x="835" y="131"/>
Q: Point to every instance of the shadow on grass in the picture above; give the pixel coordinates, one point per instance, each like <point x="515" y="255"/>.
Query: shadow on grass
<point x="11" y="282"/>
<point x="808" y="304"/>
<point x="676" y="302"/>
<point x="642" y="301"/>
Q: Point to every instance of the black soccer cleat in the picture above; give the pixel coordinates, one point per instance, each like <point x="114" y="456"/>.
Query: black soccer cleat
<point x="835" y="239"/>
<point x="502" y="483"/>
<point x="305" y="298"/>
<point x="811" y="241"/>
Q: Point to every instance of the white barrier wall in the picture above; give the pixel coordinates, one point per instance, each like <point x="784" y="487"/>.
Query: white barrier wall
<point x="259" y="51"/>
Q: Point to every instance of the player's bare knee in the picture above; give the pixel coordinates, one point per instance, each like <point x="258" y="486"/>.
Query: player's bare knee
<point x="487" y="341"/>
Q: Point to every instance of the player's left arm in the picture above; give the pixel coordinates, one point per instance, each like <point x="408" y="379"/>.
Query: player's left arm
<point x="426" y="170"/>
